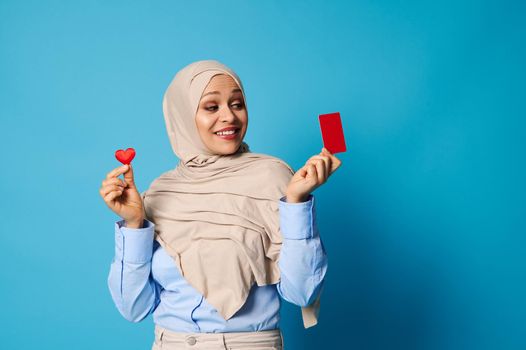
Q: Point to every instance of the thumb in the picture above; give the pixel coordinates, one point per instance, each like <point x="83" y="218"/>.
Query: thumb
<point x="128" y="176"/>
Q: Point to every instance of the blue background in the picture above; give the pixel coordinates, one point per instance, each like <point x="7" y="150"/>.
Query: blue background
<point x="423" y="223"/>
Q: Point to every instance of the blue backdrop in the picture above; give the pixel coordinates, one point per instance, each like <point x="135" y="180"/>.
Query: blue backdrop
<point x="423" y="223"/>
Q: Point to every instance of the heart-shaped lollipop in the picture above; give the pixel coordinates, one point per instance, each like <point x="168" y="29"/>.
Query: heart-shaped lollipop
<point x="125" y="157"/>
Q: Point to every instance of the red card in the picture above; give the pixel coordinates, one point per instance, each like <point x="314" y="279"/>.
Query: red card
<point x="332" y="132"/>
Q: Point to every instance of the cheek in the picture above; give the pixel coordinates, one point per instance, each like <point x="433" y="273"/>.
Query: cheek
<point x="203" y="124"/>
<point x="244" y="117"/>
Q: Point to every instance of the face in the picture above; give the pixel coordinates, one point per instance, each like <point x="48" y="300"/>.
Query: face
<point x="222" y="106"/>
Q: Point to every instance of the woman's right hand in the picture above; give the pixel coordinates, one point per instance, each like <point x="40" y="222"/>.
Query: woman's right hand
<point x="122" y="196"/>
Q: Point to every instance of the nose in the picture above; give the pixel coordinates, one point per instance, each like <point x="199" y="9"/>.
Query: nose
<point x="227" y="116"/>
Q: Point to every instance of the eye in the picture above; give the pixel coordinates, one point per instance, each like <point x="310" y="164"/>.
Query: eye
<point x="211" y="108"/>
<point x="237" y="105"/>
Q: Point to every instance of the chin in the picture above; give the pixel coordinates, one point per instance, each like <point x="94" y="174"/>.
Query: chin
<point x="228" y="150"/>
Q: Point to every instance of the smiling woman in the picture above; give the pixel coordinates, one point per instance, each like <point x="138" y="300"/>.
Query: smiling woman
<point x="222" y="118"/>
<point x="211" y="246"/>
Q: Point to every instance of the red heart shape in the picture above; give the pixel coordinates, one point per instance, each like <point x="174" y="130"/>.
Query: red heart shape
<point x="125" y="157"/>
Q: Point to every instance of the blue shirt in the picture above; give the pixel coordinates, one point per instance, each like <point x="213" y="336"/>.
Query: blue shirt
<point x="143" y="278"/>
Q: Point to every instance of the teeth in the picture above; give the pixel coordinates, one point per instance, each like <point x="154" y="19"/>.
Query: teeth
<point x="226" y="132"/>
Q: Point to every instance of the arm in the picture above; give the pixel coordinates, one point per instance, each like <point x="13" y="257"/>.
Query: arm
<point x="303" y="260"/>
<point x="132" y="288"/>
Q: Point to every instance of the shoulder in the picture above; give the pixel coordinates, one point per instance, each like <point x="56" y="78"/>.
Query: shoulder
<point x="157" y="181"/>
<point x="272" y="164"/>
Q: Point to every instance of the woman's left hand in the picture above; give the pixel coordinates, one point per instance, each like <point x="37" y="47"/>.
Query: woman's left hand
<point x="312" y="175"/>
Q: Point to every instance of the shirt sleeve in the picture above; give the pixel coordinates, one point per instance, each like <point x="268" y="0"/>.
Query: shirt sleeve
<point x="303" y="260"/>
<point x="132" y="288"/>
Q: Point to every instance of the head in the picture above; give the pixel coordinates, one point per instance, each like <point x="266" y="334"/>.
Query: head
<point x="201" y="100"/>
<point x="221" y="106"/>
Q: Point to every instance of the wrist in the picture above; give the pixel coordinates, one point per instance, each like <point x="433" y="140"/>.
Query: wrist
<point x="291" y="198"/>
<point x="134" y="224"/>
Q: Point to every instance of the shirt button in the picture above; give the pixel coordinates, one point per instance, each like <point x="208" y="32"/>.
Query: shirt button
<point x="191" y="341"/>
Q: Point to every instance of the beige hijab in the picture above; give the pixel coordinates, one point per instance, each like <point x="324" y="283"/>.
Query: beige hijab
<point x="217" y="215"/>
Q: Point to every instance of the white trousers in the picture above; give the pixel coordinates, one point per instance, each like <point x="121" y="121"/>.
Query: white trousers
<point x="262" y="340"/>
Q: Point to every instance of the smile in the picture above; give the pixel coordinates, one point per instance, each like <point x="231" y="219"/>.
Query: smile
<point x="228" y="135"/>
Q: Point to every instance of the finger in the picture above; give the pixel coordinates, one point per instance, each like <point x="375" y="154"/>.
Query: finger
<point x="321" y="171"/>
<point x="311" y="172"/>
<point x="327" y="160"/>
<point x="323" y="167"/>
<point x="109" y="188"/>
<point x="302" y="172"/>
<point x="117" y="171"/>
<point x="116" y="187"/>
<point x="319" y="164"/>
<point x="335" y="162"/>
<point x="128" y="177"/>
<point x="116" y="181"/>
<point x="326" y="152"/>
<point x="111" y="196"/>
<point x="113" y="181"/>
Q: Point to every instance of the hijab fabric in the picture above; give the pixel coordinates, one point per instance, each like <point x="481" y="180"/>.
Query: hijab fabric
<point x="217" y="215"/>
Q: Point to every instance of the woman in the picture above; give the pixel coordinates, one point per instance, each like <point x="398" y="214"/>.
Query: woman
<point x="211" y="246"/>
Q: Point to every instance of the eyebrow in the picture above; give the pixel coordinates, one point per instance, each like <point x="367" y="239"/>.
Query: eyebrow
<point x="218" y="93"/>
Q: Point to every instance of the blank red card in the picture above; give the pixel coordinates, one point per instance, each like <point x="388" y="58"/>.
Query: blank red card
<point x="332" y="132"/>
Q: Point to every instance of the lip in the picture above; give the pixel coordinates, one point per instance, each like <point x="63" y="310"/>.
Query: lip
<point x="229" y="137"/>
<point x="227" y="128"/>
